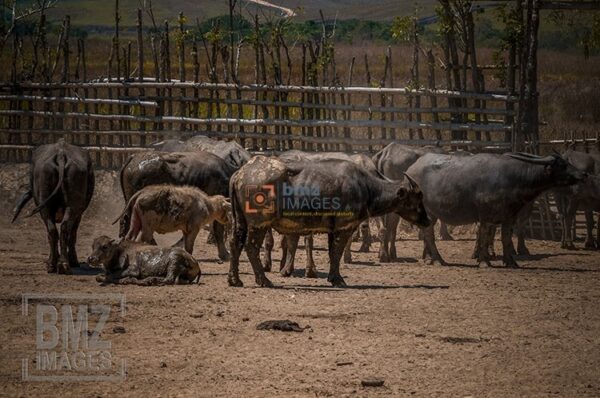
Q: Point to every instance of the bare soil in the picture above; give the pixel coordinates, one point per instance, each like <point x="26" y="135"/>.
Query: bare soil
<point x="426" y="331"/>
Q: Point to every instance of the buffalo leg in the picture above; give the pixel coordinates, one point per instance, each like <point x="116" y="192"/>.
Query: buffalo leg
<point x="387" y="251"/>
<point x="589" y="226"/>
<point x="253" y="244"/>
<point x="269" y="243"/>
<point x="72" y="254"/>
<point x="219" y="230"/>
<point x="431" y="254"/>
<point x="311" y="270"/>
<point x="189" y="238"/>
<point x="348" y="251"/>
<point x="522" y="249"/>
<point x="237" y="241"/>
<point x="507" y="246"/>
<point x="444" y="233"/>
<point x="337" y="243"/>
<point x="52" y="241"/>
<point x="284" y="252"/>
<point x="365" y="233"/>
<point x="291" y="244"/>
<point x="485" y="235"/>
<point x="569" y="220"/>
<point x="66" y="229"/>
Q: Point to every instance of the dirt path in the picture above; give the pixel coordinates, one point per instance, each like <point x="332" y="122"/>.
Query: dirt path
<point x="287" y="11"/>
<point x="427" y="331"/>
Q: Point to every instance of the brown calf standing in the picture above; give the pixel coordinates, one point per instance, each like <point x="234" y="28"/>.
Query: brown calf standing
<point x="169" y="208"/>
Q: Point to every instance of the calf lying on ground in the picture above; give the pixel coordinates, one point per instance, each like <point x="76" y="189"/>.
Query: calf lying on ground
<point x="127" y="262"/>
<point x="169" y="208"/>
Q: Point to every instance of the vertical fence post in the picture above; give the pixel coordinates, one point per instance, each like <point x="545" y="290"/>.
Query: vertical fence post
<point x="140" y="70"/>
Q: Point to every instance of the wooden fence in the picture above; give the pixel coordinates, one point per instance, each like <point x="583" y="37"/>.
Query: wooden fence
<point x="117" y="118"/>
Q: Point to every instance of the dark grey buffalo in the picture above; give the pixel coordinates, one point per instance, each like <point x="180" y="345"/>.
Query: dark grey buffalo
<point x="393" y="161"/>
<point x="485" y="188"/>
<point x="61" y="183"/>
<point x="230" y="151"/>
<point x="580" y="197"/>
<point x="127" y="262"/>
<point x="262" y="190"/>
<point x="200" y="169"/>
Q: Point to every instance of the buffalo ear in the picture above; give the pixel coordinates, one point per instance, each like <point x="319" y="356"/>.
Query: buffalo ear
<point x="402" y="193"/>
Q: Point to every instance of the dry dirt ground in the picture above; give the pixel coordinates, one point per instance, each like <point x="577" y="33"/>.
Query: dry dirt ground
<point x="427" y="331"/>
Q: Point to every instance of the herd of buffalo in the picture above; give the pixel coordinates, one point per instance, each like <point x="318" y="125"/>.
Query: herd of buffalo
<point x="186" y="185"/>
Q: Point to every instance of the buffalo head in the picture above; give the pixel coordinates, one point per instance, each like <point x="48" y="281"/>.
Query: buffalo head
<point x="105" y="251"/>
<point x="560" y="171"/>
<point x="411" y="206"/>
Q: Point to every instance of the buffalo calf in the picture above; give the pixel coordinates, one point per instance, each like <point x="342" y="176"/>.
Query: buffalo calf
<point x="169" y="208"/>
<point x="127" y="262"/>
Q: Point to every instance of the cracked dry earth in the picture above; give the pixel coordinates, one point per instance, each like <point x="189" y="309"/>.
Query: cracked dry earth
<point x="426" y="331"/>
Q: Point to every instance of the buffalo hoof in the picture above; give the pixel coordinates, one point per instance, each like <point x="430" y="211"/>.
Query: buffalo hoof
<point x="484" y="263"/>
<point x="348" y="259"/>
<point x="590" y="244"/>
<point x="310" y="273"/>
<point x="286" y="271"/>
<point x="384" y="258"/>
<point x="224" y="256"/>
<point x="446" y="237"/>
<point x="523" y="252"/>
<point x="51" y="268"/>
<point x="234" y="281"/>
<point x="64" y="269"/>
<point x="364" y="248"/>
<point x="436" y="261"/>
<point x="569" y="246"/>
<point x="337" y="281"/>
<point x="511" y="263"/>
<point x="263" y="281"/>
<point x="267" y="267"/>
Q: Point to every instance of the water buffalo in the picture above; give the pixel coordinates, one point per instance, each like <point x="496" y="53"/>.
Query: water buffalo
<point x="61" y="182"/>
<point x="329" y="196"/>
<point x="200" y="169"/>
<point x="168" y="208"/>
<point x="230" y="151"/>
<point x="579" y="197"/>
<point x="485" y="188"/>
<point x="289" y="243"/>
<point x="392" y="161"/>
<point x="127" y="262"/>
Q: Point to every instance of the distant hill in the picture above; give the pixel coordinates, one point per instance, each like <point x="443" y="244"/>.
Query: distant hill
<point x="95" y="12"/>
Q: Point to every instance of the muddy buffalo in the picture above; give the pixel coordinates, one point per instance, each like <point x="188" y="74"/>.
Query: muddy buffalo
<point x="61" y="182"/>
<point x="127" y="262"/>
<point x="200" y="169"/>
<point x="485" y="188"/>
<point x="168" y="208"/>
<point x="289" y="243"/>
<point x="330" y="196"/>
